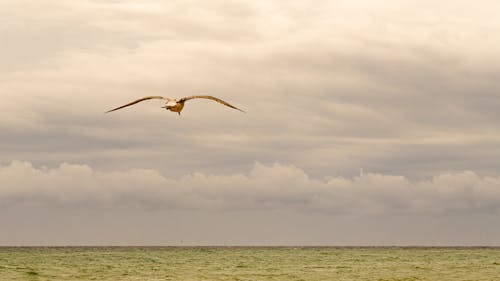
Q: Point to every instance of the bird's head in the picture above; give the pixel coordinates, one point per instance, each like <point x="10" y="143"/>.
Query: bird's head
<point x="171" y="103"/>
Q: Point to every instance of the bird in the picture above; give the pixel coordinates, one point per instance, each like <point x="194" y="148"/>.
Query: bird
<point x="176" y="104"/>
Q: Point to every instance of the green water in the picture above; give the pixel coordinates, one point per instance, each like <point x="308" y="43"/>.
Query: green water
<point x="289" y="264"/>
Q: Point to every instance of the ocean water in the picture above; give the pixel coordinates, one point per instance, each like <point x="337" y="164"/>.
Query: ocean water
<point x="249" y="263"/>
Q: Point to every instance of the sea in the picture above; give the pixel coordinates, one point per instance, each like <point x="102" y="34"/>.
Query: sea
<point x="250" y="263"/>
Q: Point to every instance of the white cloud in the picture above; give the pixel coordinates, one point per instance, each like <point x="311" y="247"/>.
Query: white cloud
<point x="275" y="187"/>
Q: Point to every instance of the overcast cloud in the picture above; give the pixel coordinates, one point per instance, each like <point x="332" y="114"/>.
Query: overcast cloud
<point x="405" y="90"/>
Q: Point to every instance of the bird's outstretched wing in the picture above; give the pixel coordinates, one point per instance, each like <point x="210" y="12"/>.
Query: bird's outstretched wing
<point x="136" y="101"/>
<point x="210" y="98"/>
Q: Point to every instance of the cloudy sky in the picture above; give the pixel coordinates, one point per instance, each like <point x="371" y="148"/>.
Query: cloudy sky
<point x="368" y="122"/>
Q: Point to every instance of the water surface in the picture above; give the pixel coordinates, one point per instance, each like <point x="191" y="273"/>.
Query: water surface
<point x="249" y="263"/>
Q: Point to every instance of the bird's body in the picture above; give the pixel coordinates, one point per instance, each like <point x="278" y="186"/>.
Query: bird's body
<point x="176" y="105"/>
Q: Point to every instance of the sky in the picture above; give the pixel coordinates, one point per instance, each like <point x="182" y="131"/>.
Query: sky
<point x="368" y="122"/>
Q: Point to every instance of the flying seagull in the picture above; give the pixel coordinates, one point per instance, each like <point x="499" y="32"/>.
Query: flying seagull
<point x="176" y="105"/>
